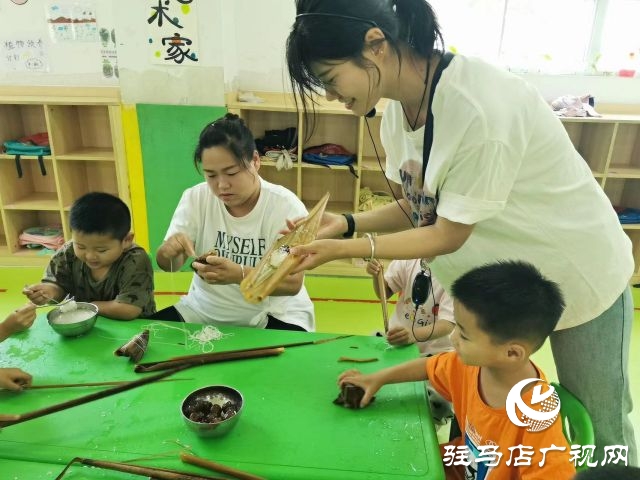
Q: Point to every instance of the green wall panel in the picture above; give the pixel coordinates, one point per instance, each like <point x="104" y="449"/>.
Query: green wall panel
<point x="168" y="137"/>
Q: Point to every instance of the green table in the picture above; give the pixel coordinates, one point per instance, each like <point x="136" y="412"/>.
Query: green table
<point x="289" y="428"/>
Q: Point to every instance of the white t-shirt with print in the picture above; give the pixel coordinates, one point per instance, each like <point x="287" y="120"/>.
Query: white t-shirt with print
<point x="399" y="275"/>
<point x="502" y="160"/>
<point x="244" y="240"/>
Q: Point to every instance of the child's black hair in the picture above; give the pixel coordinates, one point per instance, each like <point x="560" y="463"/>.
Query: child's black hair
<point x="231" y="133"/>
<point x="609" y="472"/>
<point x="100" y="213"/>
<point x="512" y="300"/>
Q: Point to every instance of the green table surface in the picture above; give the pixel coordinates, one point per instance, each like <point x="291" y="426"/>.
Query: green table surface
<point x="289" y="427"/>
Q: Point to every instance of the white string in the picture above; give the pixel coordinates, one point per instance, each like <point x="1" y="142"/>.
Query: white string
<point x="202" y="339"/>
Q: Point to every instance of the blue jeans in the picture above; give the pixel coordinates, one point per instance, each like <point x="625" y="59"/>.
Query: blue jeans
<point x="592" y="361"/>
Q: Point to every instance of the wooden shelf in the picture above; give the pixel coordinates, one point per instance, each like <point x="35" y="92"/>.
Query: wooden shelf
<point x="623" y="172"/>
<point x="4" y="156"/>
<point x="334" y="207"/>
<point x="89" y="153"/>
<point x="305" y="165"/>
<point x="371" y="164"/>
<point x="35" y="201"/>
<point x="631" y="226"/>
<point x="84" y="128"/>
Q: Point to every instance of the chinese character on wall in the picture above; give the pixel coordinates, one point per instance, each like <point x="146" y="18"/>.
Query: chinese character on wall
<point x="24" y="54"/>
<point x="173" y="34"/>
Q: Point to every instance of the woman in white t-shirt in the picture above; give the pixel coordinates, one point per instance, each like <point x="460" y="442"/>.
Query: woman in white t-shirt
<point x="239" y="215"/>
<point x="488" y="173"/>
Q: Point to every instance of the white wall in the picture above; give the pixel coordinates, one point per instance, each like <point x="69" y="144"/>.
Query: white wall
<point x="70" y="63"/>
<point x="241" y="46"/>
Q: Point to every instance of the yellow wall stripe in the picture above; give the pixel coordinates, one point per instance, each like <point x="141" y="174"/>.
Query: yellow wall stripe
<point x="136" y="176"/>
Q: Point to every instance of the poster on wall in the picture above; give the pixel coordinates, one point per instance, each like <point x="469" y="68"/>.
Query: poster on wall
<point x="173" y="32"/>
<point x="24" y="54"/>
<point x="108" y="52"/>
<point x="72" y="22"/>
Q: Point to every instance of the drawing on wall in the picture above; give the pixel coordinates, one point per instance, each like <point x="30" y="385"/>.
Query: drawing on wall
<point x="173" y="32"/>
<point x="108" y="52"/>
<point x="24" y="54"/>
<point x="72" y="22"/>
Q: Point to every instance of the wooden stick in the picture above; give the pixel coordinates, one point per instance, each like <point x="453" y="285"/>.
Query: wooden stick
<point x="217" y="467"/>
<point x="357" y="360"/>
<point x="94" y="384"/>
<point x="282" y="345"/>
<point x="153" y="472"/>
<point x="383" y="298"/>
<point x="90" y="398"/>
<point x="209" y="358"/>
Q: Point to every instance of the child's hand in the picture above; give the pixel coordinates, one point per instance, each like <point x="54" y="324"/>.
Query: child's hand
<point x="369" y="383"/>
<point x="41" y="293"/>
<point x="373" y="267"/>
<point x="399" y="336"/>
<point x="19" y="320"/>
<point x="14" y="379"/>
<point x="218" y="271"/>
<point x="178" y="244"/>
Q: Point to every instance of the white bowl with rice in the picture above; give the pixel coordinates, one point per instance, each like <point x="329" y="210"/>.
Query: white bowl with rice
<point x="73" y="318"/>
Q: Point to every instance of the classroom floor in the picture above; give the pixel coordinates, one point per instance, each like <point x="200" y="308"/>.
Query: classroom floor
<point x="342" y="304"/>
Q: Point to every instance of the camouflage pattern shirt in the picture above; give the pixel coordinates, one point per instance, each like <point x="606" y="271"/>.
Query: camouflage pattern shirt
<point x="129" y="280"/>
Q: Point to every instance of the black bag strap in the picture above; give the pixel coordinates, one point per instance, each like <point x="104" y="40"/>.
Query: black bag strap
<point x="428" y="127"/>
<point x="43" y="170"/>
<point x="18" y="166"/>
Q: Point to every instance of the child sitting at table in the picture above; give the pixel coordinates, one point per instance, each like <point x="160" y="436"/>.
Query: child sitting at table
<point x="504" y="312"/>
<point x="101" y="264"/>
<point x="428" y="321"/>
<point x="17" y="321"/>
<point x="423" y="315"/>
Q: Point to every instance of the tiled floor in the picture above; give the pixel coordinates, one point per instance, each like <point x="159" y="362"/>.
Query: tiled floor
<point x="343" y="305"/>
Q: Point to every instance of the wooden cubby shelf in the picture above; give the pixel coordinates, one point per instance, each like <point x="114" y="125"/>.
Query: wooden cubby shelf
<point x="87" y="145"/>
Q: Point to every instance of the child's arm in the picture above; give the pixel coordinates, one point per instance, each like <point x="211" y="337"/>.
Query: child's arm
<point x="412" y="371"/>
<point x="174" y="252"/>
<point x="18" y="321"/>
<point x="373" y="269"/>
<point x="117" y="310"/>
<point x="14" y="379"/>
<point x="41" y="293"/>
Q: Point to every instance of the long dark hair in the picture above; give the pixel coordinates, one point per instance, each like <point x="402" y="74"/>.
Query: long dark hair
<point x="335" y="30"/>
<point x="230" y="132"/>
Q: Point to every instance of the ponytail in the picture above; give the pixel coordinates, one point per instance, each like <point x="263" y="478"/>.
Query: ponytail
<point x="419" y="26"/>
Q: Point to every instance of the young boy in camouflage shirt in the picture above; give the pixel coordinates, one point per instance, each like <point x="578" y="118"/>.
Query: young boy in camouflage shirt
<point x="101" y="264"/>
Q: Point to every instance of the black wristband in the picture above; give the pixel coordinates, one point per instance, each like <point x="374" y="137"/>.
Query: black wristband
<point x="351" y="225"/>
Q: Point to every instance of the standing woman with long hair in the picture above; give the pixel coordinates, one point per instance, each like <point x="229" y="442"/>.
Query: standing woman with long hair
<point x="487" y="172"/>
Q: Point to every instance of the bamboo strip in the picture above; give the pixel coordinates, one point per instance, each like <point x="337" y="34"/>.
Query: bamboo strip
<point x="94" y="384"/>
<point x="217" y="467"/>
<point x="152" y="472"/>
<point x="89" y="398"/>
<point x="208" y="358"/>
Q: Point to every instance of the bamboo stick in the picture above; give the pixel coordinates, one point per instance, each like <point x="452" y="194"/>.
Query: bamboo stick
<point x="153" y="472"/>
<point x="95" y="384"/>
<point x="383" y="298"/>
<point x="90" y="398"/>
<point x="282" y="345"/>
<point x="217" y="467"/>
<point x="209" y="358"/>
